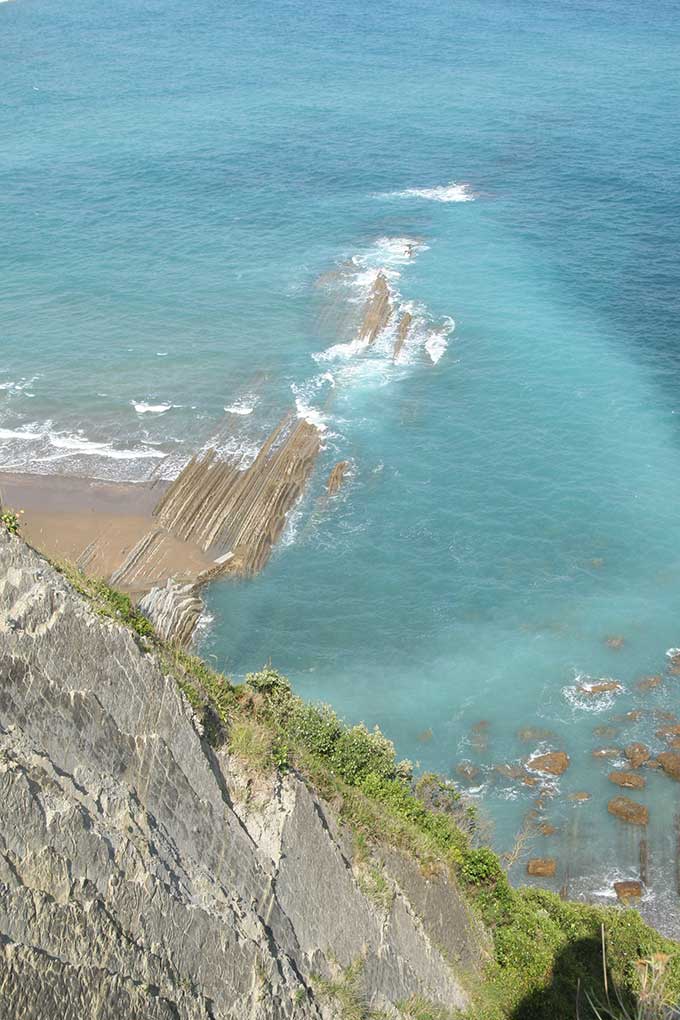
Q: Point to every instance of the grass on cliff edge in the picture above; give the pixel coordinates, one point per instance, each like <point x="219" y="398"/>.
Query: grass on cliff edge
<point x="544" y="947"/>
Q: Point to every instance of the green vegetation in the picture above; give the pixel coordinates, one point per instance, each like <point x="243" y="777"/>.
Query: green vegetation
<point x="346" y="994"/>
<point x="417" y="1008"/>
<point x="9" y="519"/>
<point x="544" y="948"/>
<point x="106" y="600"/>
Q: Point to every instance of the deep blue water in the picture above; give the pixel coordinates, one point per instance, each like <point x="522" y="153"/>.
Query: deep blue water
<point x="178" y="181"/>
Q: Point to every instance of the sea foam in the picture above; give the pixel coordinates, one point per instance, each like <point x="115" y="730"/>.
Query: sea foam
<point x="142" y="408"/>
<point x="442" y="193"/>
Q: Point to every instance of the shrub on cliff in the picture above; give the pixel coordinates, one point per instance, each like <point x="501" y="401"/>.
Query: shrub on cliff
<point x="10" y="521"/>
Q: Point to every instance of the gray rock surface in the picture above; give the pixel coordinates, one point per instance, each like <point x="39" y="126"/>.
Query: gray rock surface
<point x="174" y="609"/>
<point x="143" y="876"/>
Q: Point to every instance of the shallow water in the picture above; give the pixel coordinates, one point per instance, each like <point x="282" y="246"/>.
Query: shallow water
<point x="177" y="186"/>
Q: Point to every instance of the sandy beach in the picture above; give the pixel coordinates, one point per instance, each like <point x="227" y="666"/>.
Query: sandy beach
<point x="96" y="524"/>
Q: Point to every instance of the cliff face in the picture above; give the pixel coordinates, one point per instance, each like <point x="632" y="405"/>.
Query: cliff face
<point x="143" y="875"/>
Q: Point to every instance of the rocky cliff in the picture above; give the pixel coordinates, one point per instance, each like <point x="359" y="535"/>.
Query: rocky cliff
<point x="144" y="874"/>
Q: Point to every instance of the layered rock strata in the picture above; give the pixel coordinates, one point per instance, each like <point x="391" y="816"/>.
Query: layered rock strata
<point x="143" y="875"/>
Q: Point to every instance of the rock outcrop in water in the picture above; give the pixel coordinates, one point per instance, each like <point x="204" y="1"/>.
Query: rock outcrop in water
<point x="378" y="310"/>
<point x="238" y="516"/>
<point x="402" y="333"/>
<point x="144" y="875"/>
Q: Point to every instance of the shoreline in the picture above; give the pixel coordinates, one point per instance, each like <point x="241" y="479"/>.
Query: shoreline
<point x="96" y="524"/>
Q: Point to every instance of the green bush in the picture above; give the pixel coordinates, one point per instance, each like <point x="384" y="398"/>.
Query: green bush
<point x="316" y="727"/>
<point x="481" y="867"/>
<point x="10" y="521"/>
<point x="359" y="752"/>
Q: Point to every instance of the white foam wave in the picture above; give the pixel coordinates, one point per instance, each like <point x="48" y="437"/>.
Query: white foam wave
<point x="143" y="408"/>
<point x="442" y="193"/>
<point x="20" y="386"/>
<point x="437" y="343"/>
<point x="581" y="694"/>
<point x="242" y="407"/>
<point x="48" y="440"/>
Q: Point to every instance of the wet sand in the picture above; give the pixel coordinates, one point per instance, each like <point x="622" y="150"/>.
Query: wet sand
<point x="96" y="524"/>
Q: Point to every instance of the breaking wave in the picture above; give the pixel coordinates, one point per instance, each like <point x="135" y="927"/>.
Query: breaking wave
<point x="143" y="408"/>
<point x="38" y="446"/>
<point x="442" y="193"/>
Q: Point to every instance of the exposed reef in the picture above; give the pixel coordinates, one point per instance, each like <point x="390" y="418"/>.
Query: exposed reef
<point x="238" y="516"/>
<point x="377" y="311"/>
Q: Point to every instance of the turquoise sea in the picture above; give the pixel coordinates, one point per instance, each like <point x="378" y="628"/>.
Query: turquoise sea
<point x="194" y="199"/>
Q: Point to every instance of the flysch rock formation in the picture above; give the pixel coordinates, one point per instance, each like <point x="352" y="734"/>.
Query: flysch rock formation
<point x="230" y="518"/>
<point x="238" y="516"/>
<point x="174" y="609"/>
<point x="137" y="880"/>
<point x="402" y="333"/>
<point x="377" y="311"/>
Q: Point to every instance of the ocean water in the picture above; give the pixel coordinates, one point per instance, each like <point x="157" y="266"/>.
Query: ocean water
<point x="194" y="202"/>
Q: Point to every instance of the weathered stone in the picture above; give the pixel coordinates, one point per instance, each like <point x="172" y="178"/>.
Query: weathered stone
<point x="543" y="867"/>
<point x="509" y="771"/>
<point x="137" y="881"/>
<point x="546" y="829"/>
<point x="668" y="732"/>
<point x="626" y="891"/>
<point x="579" y="797"/>
<point x="533" y="734"/>
<point x="607" y="752"/>
<point x="670" y="763"/>
<point x="648" y="683"/>
<point x="600" y="687"/>
<point x="628" y="810"/>
<point x="377" y="310"/>
<point x="336" y="477"/>
<point x="467" y="771"/>
<point x="402" y="333"/>
<point x="630" y="780"/>
<point x="554" y="763"/>
<point x="174" y="610"/>
<point x="637" y="754"/>
<point x="606" y="732"/>
<point x="238" y="515"/>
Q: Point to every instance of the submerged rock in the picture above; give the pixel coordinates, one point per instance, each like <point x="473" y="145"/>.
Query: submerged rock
<point x="541" y="867"/>
<point x="616" y="642"/>
<point x="555" y="763"/>
<point x="628" y="810"/>
<point x="600" y="687"/>
<point x="648" y="683"/>
<point x="668" y="732"/>
<point x="637" y="754"/>
<point x="533" y="734"/>
<point x="670" y="763"/>
<point x="629" y="890"/>
<point x="607" y="752"/>
<point x="580" y="797"/>
<point x="606" y="732"/>
<point x="631" y="780"/>
<point x="467" y="771"/>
